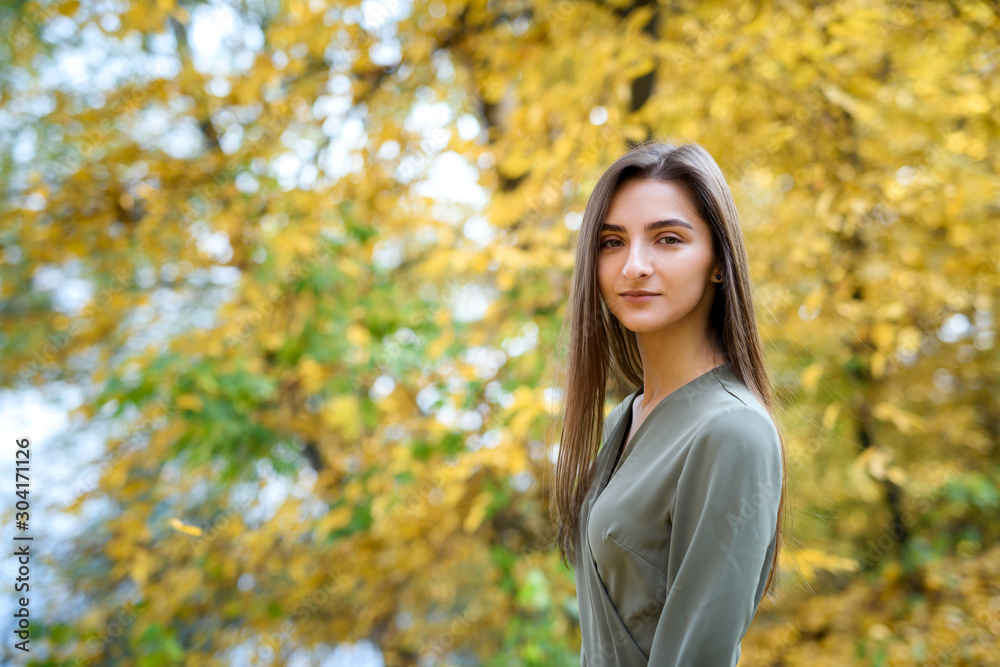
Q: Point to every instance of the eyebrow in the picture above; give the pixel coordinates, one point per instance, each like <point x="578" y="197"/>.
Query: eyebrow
<point x="650" y="226"/>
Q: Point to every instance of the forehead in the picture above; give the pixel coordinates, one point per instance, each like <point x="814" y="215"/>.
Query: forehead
<point x="639" y="201"/>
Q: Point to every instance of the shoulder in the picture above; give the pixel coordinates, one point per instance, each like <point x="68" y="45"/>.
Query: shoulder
<point x="738" y="431"/>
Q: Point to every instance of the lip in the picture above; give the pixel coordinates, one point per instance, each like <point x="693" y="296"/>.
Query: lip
<point x="638" y="296"/>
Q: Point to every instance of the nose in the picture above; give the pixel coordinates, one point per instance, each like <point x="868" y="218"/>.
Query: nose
<point x="637" y="264"/>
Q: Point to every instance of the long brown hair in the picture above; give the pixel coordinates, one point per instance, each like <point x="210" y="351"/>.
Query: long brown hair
<point x="602" y="350"/>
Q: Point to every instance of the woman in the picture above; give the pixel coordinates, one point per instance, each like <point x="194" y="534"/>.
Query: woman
<point x="672" y="524"/>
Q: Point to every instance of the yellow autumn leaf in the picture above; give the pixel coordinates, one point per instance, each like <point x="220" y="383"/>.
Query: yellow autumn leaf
<point x="353" y="490"/>
<point x="830" y="414"/>
<point x="337" y="518"/>
<point x="909" y="339"/>
<point x="142" y="564"/>
<point x="883" y="335"/>
<point x="505" y="280"/>
<point x="861" y="479"/>
<point x="896" y="475"/>
<point x="810" y="377"/>
<point x="877" y="365"/>
<point x="814" y="300"/>
<point x="907" y="422"/>
<point x="810" y="561"/>
<point x="182" y="527"/>
<point x="358" y="334"/>
<point x="380" y="506"/>
<point x="477" y="512"/>
<point x="189" y="402"/>
<point x="67" y="8"/>
<point x="311" y="375"/>
<point x="341" y="413"/>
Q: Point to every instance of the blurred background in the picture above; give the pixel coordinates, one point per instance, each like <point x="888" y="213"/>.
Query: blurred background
<point x="281" y="284"/>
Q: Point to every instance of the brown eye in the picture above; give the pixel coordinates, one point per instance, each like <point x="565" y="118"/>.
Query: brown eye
<point x="605" y="244"/>
<point x="673" y="238"/>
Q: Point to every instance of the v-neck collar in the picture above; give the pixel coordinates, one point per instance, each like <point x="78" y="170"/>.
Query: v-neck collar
<point x="626" y="420"/>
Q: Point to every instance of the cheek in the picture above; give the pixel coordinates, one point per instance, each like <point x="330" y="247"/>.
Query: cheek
<point x="684" y="270"/>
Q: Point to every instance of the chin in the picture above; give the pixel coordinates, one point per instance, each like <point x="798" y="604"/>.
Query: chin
<point x="643" y="324"/>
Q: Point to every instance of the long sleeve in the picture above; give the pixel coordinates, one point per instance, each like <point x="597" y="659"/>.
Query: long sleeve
<point x="723" y="523"/>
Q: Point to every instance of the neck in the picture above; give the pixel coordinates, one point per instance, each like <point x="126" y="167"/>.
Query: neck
<point x="670" y="360"/>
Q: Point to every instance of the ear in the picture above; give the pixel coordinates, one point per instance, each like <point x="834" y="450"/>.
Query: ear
<point x="716" y="270"/>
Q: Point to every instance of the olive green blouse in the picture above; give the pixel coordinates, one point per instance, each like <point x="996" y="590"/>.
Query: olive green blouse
<point x="680" y="535"/>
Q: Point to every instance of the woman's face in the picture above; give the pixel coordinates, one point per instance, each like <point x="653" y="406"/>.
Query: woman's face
<point x="653" y="240"/>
